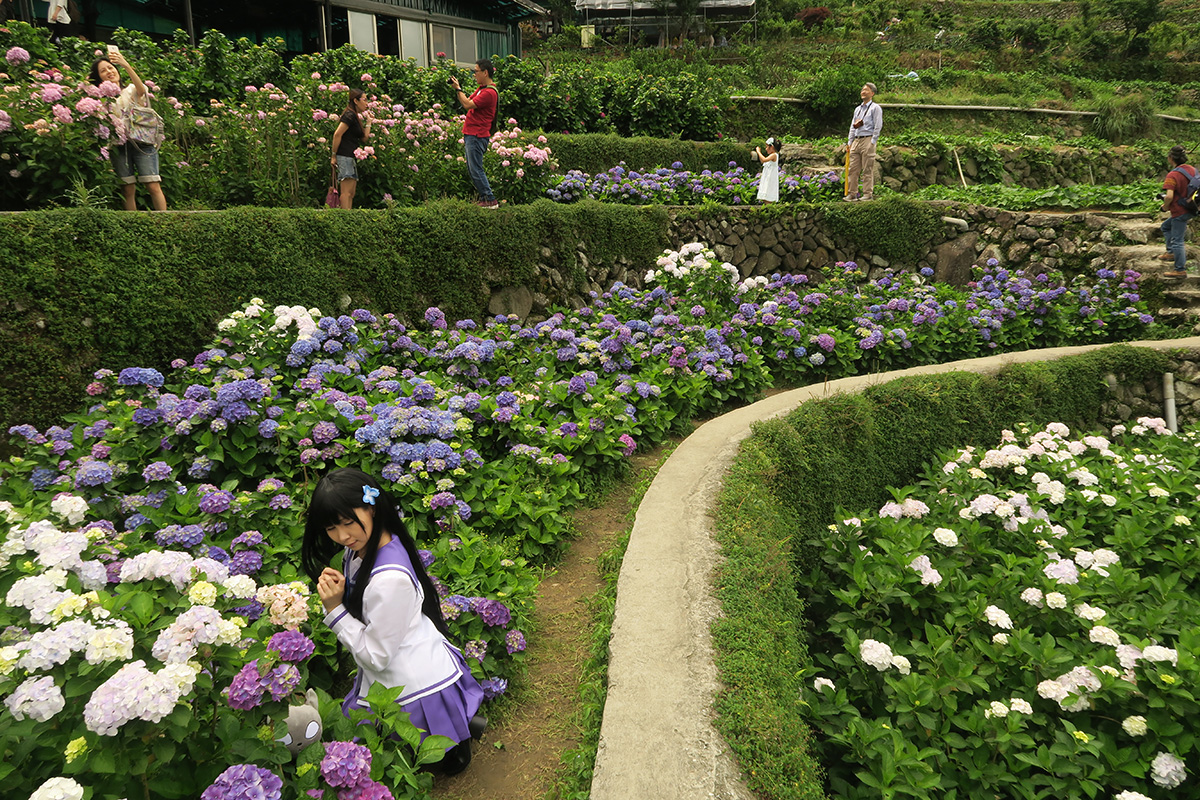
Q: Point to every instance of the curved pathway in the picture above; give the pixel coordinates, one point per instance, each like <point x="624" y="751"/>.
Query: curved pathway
<point x="657" y="740"/>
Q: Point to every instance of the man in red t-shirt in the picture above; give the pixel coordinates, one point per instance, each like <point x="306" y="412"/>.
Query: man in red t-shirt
<point x="477" y="129"/>
<point x="1174" y="228"/>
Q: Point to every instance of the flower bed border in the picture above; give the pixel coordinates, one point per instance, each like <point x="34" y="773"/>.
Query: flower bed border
<point x="657" y="736"/>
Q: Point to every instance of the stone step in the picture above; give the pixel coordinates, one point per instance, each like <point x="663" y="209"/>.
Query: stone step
<point x="1136" y="230"/>
<point x="1185" y="291"/>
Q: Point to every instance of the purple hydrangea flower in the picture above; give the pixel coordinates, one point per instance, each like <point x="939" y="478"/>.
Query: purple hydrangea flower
<point x="292" y="646"/>
<point x="216" y="502"/>
<point x="245" y="782"/>
<point x="93" y="473"/>
<point x="514" y="641"/>
<point x="158" y="471"/>
<point x="493" y="687"/>
<point x="247" y="539"/>
<point x="345" y="764"/>
<point x="247" y="562"/>
<point x="492" y="612"/>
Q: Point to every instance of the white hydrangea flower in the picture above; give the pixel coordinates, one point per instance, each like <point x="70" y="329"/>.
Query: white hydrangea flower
<point x="1090" y="613"/>
<point x="110" y="644"/>
<point x="821" y="683"/>
<point x="1111" y="671"/>
<point x="996" y="709"/>
<point x="1051" y="690"/>
<point x="1128" y="655"/>
<point x="1180" y="519"/>
<point x="1106" y="636"/>
<point x="1135" y="726"/>
<point x="58" y="789"/>
<point x="1108" y="500"/>
<point x="1129" y="794"/>
<point x="997" y="617"/>
<point x="70" y="507"/>
<point x="1157" y="491"/>
<point x="37" y="698"/>
<point x="945" y="537"/>
<point x="1020" y="706"/>
<point x="1167" y="771"/>
<point x="1056" y="600"/>
<point x="1032" y="596"/>
<point x="241" y="587"/>
<point x="902" y="664"/>
<point x="877" y="654"/>
<point x="1157" y="653"/>
<point x="1000" y="638"/>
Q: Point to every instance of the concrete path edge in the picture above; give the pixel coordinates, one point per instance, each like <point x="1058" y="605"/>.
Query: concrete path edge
<point x="657" y="739"/>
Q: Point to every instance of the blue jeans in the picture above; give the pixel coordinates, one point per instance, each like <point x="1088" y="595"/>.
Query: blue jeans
<point x="1173" y="231"/>
<point x="476" y="147"/>
<point x="134" y="157"/>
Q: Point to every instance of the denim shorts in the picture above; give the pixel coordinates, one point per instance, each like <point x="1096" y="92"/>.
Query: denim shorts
<point x="347" y="168"/>
<point x="133" y="156"/>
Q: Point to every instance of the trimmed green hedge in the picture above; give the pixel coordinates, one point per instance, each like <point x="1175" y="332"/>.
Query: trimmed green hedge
<point x="845" y="452"/>
<point x="598" y="152"/>
<point x="84" y="289"/>
<point x="761" y="648"/>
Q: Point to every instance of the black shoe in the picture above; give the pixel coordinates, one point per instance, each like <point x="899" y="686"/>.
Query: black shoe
<point x="457" y="759"/>
<point x="477" y="726"/>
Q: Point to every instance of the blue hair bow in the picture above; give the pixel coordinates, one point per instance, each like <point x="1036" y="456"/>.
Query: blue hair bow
<point x="369" y="495"/>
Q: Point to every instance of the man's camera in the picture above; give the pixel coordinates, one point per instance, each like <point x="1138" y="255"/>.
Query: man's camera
<point x="1161" y="196"/>
<point x="450" y="82"/>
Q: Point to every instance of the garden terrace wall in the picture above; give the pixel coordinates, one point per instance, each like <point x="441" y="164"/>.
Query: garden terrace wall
<point x="827" y="451"/>
<point x="81" y="289"/>
<point x="906" y="169"/>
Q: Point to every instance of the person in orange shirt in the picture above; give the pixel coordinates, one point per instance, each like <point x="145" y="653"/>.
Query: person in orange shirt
<point x="1174" y="228"/>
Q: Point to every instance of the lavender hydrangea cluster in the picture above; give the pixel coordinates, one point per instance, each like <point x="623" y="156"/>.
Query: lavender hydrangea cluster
<point x="676" y="186"/>
<point x="250" y="687"/>
<point x="292" y="646"/>
<point x="245" y="782"/>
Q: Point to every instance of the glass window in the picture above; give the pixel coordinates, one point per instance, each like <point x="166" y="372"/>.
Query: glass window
<point x="340" y="28"/>
<point x="443" y="41"/>
<point x="412" y="41"/>
<point x="466" y="45"/>
<point x="387" y="35"/>
<point x="362" y="30"/>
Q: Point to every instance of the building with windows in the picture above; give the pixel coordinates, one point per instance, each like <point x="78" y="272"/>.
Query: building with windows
<point x="462" y="29"/>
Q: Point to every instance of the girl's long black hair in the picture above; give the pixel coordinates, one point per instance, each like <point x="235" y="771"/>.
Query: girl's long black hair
<point x="350" y="107"/>
<point x="335" y="498"/>
<point x="94" y="75"/>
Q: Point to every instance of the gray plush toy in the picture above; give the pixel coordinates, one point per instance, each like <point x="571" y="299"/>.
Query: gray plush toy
<point x="303" y="724"/>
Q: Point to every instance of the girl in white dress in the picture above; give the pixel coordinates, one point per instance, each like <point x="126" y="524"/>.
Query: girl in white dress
<point x="768" y="182"/>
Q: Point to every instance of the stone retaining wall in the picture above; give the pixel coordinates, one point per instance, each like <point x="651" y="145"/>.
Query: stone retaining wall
<point x="907" y="169"/>
<point x="803" y="242"/>
<point x="1132" y="400"/>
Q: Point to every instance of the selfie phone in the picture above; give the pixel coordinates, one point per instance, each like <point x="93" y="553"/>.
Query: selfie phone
<point x="113" y="50"/>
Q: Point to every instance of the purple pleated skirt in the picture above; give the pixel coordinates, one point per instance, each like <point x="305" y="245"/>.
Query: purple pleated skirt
<point x="446" y="713"/>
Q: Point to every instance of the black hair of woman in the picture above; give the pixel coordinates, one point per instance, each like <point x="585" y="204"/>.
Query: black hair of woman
<point x="336" y="497"/>
<point x="355" y="94"/>
<point x="94" y="73"/>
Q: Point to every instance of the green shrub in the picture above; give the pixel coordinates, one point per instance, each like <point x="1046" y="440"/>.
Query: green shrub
<point x="847" y="450"/>
<point x="896" y="228"/>
<point x="594" y="153"/>
<point x="82" y="289"/>
<point x="760" y="639"/>
<point x="1125" y="118"/>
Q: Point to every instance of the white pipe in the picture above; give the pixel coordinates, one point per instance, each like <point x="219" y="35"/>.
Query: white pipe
<point x="961" y="223"/>
<point x="1169" y="400"/>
